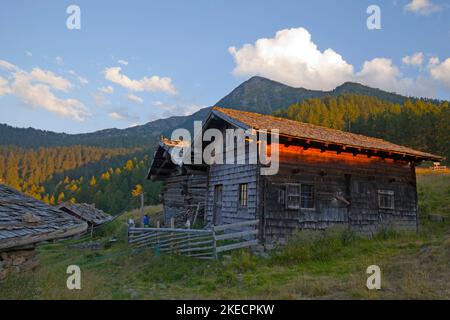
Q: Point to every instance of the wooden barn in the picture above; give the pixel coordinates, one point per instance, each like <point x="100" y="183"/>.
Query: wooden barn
<point x="184" y="191"/>
<point x="24" y="222"/>
<point x="326" y="177"/>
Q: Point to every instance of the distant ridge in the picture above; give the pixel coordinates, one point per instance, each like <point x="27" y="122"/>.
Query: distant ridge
<point x="257" y="94"/>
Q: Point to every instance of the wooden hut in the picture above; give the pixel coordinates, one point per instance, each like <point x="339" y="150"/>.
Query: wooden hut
<point x="184" y="190"/>
<point x="25" y="221"/>
<point x="326" y="177"/>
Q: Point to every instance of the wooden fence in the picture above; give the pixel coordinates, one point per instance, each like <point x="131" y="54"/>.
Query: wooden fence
<point x="202" y="244"/>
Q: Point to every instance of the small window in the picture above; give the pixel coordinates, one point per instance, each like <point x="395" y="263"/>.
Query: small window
<point x="386" y="199"/>
<point x="243" y="195"/>
<point x="307" y="196"/>
<point x="298" y="196"/>
<point x="293" y="196"/>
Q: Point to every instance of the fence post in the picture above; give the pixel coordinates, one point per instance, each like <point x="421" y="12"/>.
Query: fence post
<point x="172" y="226"/>
<point x="157" y="247"/>
<point x="188" y="224"/>
<point x="214" y="243"/>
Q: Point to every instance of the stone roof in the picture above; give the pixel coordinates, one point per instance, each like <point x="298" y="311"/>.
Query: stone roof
<point x="25" y="220"/>
<point x="86" y="212"/>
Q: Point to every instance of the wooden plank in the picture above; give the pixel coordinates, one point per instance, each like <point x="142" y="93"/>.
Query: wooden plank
<point x="236" y="235"/>
<point x="171" y="230"/>
<point x="235" y="225"/>
<point x="236" y="245"/>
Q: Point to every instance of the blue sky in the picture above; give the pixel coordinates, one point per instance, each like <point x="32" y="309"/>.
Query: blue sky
<point x="135" y="61"/>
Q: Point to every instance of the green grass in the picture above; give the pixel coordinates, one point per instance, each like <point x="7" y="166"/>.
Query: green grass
<point x="318" y="265"/>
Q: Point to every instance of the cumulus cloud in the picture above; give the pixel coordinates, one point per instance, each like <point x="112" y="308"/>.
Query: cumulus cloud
<point x="8" y="66"/>
<point x="292" y="58"/>
<point x="116" y="115"/>
<point x="441" y="72"/>
<point x="123" y="62"/>
<point x="120" y="114"/>
<point x="4" y="88"/>
<point x="416" y="59"/>
<point x="35" y="89"/>
<point x="80" y="79"/>
<point x="422" y="7"/>
<point x="107" y="89"/>
<point x="154" y="83"/>
<point x="134" y="98"/>
<point x="383" y="74"/>
<point x="48" y="77"/>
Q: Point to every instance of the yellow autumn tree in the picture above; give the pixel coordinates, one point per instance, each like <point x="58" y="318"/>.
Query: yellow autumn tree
<point x="137" y="191"/>
<point x="61" y="197"/>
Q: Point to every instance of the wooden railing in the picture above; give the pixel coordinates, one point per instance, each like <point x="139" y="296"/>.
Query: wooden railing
<point x="202" y="244"/>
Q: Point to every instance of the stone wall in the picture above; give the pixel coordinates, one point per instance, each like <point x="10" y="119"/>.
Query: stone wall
<point x="17" y="261"/>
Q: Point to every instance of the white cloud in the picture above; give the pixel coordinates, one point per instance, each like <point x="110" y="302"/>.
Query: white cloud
<point x="116" y="115"/>
<point x="35" y="89"/>
<point x="29" y="54"/>
<point x="422" y="7"/>
<point x="416" y="59"/>
<point x="80" y="79"/>
<point x="4" y="88"/>
<point x="383" y="74"/>
<point x="40" y="95"/>
<point x="292" y="58"/>
<point x="48" y="77"/>
<point x="134" y="98"/>
<point x="441" y="72"/>
<point x="120" y="114"/>
<point x="153" y="83"/>
<point x="8" y="66"/>
<point x="123" y="62"/>
<point x="107" y="89"/>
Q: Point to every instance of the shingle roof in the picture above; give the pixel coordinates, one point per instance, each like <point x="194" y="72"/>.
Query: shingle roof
<point x="25" y="220"/>
<point x="312" y="132"/>
<point x="86" y="212"/>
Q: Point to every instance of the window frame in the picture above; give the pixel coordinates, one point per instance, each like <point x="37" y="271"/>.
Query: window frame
<point x="390" y="194"/>
<point x="288" y="204"/>
<point x="313" y="197"/>
<point x="243" y="195"/>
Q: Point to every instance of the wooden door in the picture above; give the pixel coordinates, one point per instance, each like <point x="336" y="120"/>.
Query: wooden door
<point x="217" y="215"/>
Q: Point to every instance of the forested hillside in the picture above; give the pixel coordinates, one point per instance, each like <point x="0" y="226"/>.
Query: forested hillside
<point x="71" y="174"/>
<point x="418" y="124"/>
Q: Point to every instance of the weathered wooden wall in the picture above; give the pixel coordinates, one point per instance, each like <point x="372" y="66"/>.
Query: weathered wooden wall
<point x="230" y="176"/>
<point x="356" y="178"/>
<point x="182" y="192"/>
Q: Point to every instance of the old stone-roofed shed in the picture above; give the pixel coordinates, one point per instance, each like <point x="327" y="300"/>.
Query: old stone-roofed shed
<point x="86" y="212"/>
<point x="25" y="221"/>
